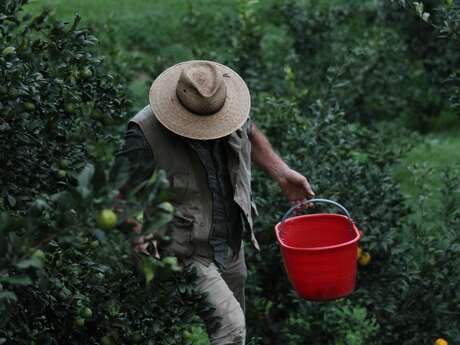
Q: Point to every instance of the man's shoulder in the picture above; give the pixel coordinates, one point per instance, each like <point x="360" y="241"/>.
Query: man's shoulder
<point x="143" y="116"/>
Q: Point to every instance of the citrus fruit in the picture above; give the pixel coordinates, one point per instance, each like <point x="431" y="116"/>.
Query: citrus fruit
<point x="80" y="322"/>
<point x="86" y="73"/>
<point x="70" y="108"/>
<point x="62" y="173"/>
<point x="29" y="106"/>
<point x="106" y="340"/>
<point x="94" y="244"/>
<point x="39" y="254"/>
<point x="86" y="313"/>
<point x="106" y="219"/>
<point x="364" y="259"/>
<point x="166" y="207"/>
<point x="187" y="335"/>
<point x="65" y="163"/>
<point x="441" y="341"/>
<point x="360" y="251"/>
<point x="169" y="260"/>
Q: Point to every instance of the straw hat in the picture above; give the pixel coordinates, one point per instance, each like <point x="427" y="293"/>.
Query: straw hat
<point x="200" y="100"/>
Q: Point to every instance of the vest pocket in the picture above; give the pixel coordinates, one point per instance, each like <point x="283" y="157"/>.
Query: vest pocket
<point x="179" y="186"/>
<point x="181" y="232"/>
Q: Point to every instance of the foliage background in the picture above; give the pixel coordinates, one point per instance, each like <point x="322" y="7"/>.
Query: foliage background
<point x="361" y="96"/>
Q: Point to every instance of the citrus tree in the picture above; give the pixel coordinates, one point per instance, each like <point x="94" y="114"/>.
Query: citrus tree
<point x="67" y="274"/>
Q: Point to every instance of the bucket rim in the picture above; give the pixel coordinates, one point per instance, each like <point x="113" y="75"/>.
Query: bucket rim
<point x="316" y="249"/>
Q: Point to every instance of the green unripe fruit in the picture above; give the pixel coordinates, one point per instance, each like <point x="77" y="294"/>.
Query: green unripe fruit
<point x="106" y="340"/>
<point x="80" y="322"/>
<point x="61" y="173"/>
<point x="106" y="219"/>
<point x="65" y="163"/>
<point x="187" y="335"/>
<point x="170" y="261"/>
<point x="86" y="313"/>
<point x="8" y="51"/>
<point x="166" y="207"/>
<point x="70" y="108"/>
<point x="29" y="106"/>
<point x="94" y="244"/>
<point x="86" y="73"/>
<point x="39" y="255"/>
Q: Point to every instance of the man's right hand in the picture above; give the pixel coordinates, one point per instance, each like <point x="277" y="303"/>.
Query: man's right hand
<point x="141" y="244"/>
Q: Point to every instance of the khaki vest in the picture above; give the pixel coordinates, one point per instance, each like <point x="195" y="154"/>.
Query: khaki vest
<point x="191" y="197"/>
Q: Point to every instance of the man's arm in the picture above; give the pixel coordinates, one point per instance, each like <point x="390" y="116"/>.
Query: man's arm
<point x="137" y="153"/>
<point x="294" y="185"/>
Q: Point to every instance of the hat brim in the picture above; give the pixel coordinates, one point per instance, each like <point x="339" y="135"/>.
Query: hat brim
<point x="174" y="116"/>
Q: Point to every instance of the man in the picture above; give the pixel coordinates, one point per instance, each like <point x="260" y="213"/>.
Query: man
<point x="197" y="129"/>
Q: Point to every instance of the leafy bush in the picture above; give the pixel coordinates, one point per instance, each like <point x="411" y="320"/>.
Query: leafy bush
<point x="351" y="164"/>
<point x="64" y="278"/>
<point x="313" y="69"/>
<point x="54" y="93"/>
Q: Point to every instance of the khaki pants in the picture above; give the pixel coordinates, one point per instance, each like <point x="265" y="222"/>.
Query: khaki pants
<point x="225" y="292"/>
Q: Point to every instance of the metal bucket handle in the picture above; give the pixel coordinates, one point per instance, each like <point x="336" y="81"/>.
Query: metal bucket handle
<point x="324" y="201"/>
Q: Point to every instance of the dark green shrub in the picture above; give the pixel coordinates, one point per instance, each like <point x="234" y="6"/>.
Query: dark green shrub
<point x="351" y="164"/>
<point x="57" y="99"/>
<point x="63" y="280"/>
<point x="365" y="61"/>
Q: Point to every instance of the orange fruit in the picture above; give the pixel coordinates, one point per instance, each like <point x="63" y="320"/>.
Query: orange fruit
<point x="441" y="341"/>
<point x="364" y="259"/>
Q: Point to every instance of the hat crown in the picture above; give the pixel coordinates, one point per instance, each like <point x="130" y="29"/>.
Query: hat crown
<point x="201" y="88"/>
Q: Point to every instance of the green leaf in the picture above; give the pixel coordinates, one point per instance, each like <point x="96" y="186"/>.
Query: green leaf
<point x="11" y="200"/>
<point x="8" y="295"/>
<point x="4" y="220"/>
<point x="84" y="181"/>
<point x="148" y="267"/>
<point x="159" y="220"/>
<point x="16" y="280"/>
<point x="28" y="263"/>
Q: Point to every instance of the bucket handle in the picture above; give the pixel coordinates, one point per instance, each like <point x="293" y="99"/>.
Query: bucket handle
<point x="323" y="201"/>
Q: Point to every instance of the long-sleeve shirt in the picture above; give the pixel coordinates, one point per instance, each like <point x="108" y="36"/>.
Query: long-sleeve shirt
<point x="227" y="223"/>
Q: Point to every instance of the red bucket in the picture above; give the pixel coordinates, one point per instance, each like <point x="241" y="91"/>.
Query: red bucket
<point x="319" y="252"/>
